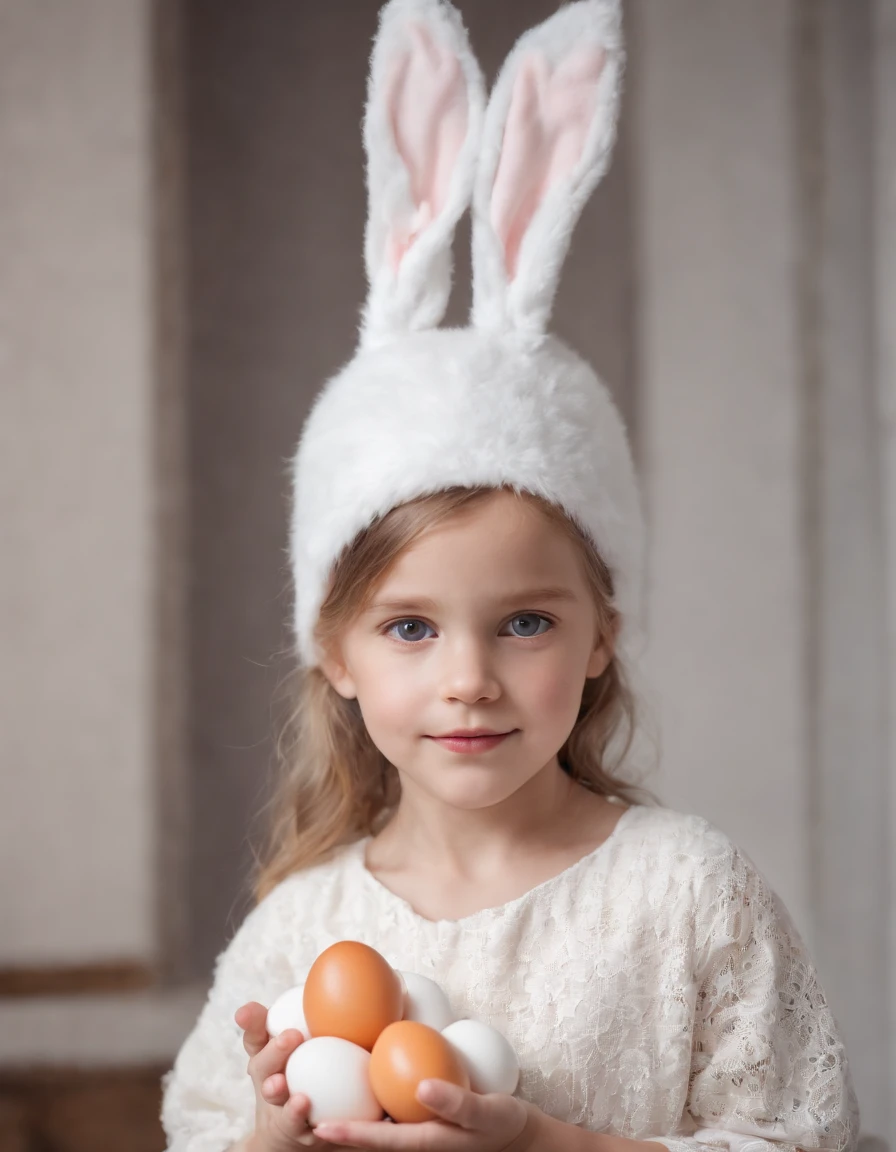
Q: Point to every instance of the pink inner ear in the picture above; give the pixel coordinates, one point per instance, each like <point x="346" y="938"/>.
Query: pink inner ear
<point x="426" y="98"/>
<point x="548" y="121"/>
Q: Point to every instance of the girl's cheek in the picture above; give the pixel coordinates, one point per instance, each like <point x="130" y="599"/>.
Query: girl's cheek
<point x="554" y="687"/>
<point x="397" y="694"/>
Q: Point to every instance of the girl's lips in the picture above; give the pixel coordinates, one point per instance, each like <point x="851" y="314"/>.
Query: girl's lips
<point x="470" y="744"/>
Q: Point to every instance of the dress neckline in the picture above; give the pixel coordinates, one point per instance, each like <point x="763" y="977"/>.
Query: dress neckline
<point x="387" y="897"/>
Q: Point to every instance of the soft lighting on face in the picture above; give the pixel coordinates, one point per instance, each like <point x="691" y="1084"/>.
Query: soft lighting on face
<point x="486" y="622"/>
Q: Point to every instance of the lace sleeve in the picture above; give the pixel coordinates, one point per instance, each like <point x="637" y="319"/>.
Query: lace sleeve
<point x="208" y="1102"/>
<point x="769" y="1072"/>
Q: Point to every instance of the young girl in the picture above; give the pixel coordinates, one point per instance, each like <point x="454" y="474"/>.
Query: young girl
<point x="466" y="548"/>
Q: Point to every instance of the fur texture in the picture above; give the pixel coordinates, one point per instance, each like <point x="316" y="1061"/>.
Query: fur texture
<point x="416" y="293"/>
<point x="461" y="407"/>
<point x="524" y="303"/>
<point x="419" y="408"/>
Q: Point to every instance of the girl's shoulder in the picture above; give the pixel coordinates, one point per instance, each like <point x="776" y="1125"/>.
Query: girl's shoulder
<point x="699" y="866"/>
<point x="666" y="831"/>
<point x="689" y="846"/>
<point x="320" y="881"/>
<point x="281" y="934"/>
<point x="296" y="905"/>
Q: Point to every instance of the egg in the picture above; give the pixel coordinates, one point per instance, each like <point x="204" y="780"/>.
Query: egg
<point x="287" y="1012"/>
<point x="488" y="1057"/>
<point x="334" y="1075"/>
<point x="353" y="993"/>
<point x="425" y="1001"/>
<point x="405" y="1054"/>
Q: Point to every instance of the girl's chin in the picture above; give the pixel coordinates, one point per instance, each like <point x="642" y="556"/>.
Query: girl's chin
<point x="471" y="794"/>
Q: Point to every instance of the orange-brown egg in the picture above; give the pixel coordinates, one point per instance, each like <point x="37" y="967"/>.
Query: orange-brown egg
<point x="405" y="1054"/>
<point x="352" y="992"/>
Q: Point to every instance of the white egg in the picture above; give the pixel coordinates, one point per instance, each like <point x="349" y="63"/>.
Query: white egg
<point x="425" y="1002"/>
<point x="490" y="1060"/>
<point x="334" y="1075"/>
<point x="287" y="1012"/>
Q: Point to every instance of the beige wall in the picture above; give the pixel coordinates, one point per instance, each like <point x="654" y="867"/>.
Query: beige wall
<point x="720" y="387"/>
<point x="76" y="563"/>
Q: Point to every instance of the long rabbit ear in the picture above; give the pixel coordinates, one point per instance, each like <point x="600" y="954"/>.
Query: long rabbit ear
<point x="422" y="128"/>
<point x="547" y="139"/>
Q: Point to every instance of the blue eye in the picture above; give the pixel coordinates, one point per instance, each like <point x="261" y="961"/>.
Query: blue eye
<point x="530" y="622"/>
<point x="407" y="630"/>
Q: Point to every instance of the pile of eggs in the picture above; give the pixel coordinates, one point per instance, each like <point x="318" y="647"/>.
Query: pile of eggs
<point x="372" y="1034"/>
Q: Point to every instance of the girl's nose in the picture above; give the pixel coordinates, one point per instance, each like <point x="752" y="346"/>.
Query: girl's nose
<point x="467" y="672"/>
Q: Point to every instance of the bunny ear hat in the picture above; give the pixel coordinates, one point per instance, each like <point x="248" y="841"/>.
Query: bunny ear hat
<point x="501" y="402"/>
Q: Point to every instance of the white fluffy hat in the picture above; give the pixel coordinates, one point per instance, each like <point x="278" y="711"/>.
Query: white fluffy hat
<point x="421" y="408"/>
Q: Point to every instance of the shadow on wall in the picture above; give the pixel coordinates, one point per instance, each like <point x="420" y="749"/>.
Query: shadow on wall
<point x="276" y="205"/>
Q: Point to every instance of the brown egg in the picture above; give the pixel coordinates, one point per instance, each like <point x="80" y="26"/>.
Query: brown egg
<point x="352" y="992"/>
<point x="405" y="1054"/>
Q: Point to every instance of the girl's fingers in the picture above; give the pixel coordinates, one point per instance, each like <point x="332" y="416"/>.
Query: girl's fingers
<point x="272" y="1058"/>
<point x="492" y="1114"/>
<point x="453" y="1103"/>
<point x="267" y="1059"/>
<point x="374" y="1134"/>
<point x="294" y="1120"/>
<point x="275" y="1089"/>
<point x="252" y="1018"/>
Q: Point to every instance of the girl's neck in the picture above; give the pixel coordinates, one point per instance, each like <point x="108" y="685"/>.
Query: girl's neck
<point x="550" y="811"/>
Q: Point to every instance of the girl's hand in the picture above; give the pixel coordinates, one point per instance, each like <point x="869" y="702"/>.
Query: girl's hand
<point x="468" y="1123"/>
<point x="281" y="1120"/>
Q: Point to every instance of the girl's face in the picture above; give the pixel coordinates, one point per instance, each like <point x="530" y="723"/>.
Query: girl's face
<point x="487" y="621"/>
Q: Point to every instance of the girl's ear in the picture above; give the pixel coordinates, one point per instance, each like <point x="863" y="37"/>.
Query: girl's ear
<point x="547" y="139"/>
<point x="604" y="650"/>
<point x="333" y="666"/>
<point x="422" y="125"/>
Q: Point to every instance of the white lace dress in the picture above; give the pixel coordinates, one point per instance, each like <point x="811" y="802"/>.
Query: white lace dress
<point x="656" y="989"/>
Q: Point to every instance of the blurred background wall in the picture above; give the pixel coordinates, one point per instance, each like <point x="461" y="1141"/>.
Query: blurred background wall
<point x="181" y="213"/>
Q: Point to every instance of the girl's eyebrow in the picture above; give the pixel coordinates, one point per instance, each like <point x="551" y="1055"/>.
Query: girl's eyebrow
<point x="524" y="596"/>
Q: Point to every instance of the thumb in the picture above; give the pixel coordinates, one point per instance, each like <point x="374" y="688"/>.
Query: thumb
<point x="494" y="1112"/>
<point x="447" y="1100"/>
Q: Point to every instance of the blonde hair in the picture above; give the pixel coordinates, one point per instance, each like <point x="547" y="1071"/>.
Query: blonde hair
<point x="336" y="785"/>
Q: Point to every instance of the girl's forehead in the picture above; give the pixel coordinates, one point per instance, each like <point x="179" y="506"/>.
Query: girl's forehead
<point x="500" y="510"/>
<point x="495" y="524"/>
<point x="501" y="542"/>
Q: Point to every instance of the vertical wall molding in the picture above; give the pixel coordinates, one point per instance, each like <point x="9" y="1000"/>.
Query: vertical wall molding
<point x="170" y="653"/>
<point x="809" y="158"/>
<point x="883" y="120"/>
<point x="849" y="833"/>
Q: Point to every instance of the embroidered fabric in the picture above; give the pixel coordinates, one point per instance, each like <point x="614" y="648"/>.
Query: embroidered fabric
<point x="656" y="989"/>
